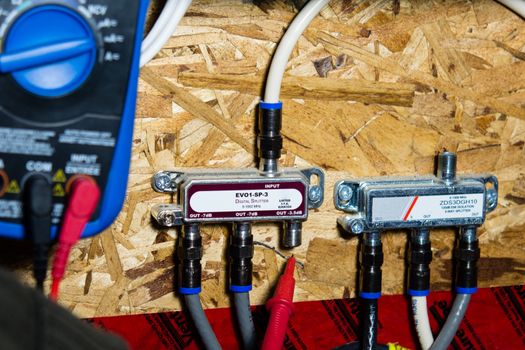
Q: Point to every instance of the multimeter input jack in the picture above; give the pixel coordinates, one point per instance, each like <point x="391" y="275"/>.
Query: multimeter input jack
<point x="4" y="182"/>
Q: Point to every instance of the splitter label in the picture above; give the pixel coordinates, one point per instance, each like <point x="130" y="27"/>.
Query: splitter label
<point x="410" y="208"/>
<point x="246" y="200"/>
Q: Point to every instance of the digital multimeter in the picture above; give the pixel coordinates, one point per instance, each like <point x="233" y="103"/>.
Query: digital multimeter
<point x="68" y="84"/>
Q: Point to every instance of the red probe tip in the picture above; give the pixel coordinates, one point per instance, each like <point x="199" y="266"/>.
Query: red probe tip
<point x="53" y="294"/>
<point x="290" y="267"/>
<point x="286" y="284"/>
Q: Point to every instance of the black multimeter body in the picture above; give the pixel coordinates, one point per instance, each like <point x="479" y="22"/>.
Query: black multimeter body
<point x="68" y="82"/>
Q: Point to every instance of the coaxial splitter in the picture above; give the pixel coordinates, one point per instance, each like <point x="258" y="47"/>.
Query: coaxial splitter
<point x="382" y="203"/>
<point x="420" y="204"/>
<point x="241" y="196"/>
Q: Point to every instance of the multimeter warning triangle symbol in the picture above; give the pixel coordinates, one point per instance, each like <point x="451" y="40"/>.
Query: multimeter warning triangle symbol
<point x="58" y="191"/>
<point x="13" y="187"/>
<point x="59" y="176"/>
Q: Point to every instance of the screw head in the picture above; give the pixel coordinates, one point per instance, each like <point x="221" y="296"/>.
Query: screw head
<point x="314" y="194"/>
<point x="344" y="193"/>
<point x="492" y="198"/>
<point x="162" y="182"/>
<point x="357" y="226"/>
<point x="168" y="220"/>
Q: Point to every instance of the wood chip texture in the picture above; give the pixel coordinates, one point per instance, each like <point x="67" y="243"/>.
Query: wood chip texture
<point x="372" y="88"/>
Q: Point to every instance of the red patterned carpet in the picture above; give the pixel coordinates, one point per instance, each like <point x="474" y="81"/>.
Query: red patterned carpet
<point x="495" y="320"/>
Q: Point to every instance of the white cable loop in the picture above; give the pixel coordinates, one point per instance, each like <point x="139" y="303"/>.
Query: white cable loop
<point x="166" y="24"/>
<point x="517" y="6"/>
<point x="286" y="46"/>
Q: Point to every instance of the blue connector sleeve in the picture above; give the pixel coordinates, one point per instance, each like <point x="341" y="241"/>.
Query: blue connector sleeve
<point x="265" y="105"/>
<point x="189" y="291"/>
<point x="461" y="290"/>
<point x="418" y="293"/>
<point x="240" y="289"/>
<point x="367" y="295"/>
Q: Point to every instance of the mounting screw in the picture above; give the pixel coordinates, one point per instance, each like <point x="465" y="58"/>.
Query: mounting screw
<point x="357" y="226"/>
<point x="167" y="220"/>
<point x="167" y="215"/>
<point x="170" y="219"/>
<point x="492" y="198"/>
<point x="162" y="182"/>
<point x="344" y="193"/>
<point x="314" y="194"/>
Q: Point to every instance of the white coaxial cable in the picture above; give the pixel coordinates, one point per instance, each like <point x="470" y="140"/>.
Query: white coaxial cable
<point x="286" y="46"/>
<point x="166" y="24"/>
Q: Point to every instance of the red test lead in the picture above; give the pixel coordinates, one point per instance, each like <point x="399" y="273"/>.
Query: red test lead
<point x="280" y="308"/>
<point x="83" y="201"/>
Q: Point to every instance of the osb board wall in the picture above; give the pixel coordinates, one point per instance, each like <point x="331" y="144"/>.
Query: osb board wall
<point x="373" y="88"/>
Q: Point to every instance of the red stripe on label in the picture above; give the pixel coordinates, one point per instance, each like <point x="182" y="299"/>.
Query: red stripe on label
<point x="411" y="207"/>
